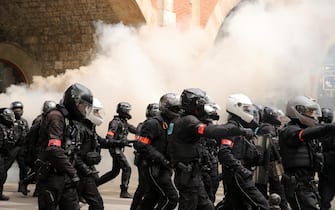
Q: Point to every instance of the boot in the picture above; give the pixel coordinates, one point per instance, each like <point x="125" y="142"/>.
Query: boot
<point x="4" y="197"/>
<point x="124" y="193"/>
<point x="23" y="188"/>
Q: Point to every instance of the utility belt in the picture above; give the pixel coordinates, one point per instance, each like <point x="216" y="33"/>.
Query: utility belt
<point x="44" y="169"/>
<point x="187" y="171"/>
<point x="292" y="184"/>
<point x="92" y="158"/>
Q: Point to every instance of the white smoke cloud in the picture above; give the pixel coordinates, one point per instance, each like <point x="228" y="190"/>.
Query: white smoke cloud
<point x="274" y="50"/>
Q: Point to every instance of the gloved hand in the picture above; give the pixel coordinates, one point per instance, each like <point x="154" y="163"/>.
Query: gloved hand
<point x="248" y="133"/>
<point x="86" y="171"/>
<point x="96" y="176"/>
<point x="75" y="181"/>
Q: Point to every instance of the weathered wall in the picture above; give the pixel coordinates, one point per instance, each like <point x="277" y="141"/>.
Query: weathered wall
<point x="57" y="35"/>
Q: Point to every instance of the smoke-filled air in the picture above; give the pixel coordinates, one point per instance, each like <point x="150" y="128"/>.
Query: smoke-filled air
<point x="270" y="51"/>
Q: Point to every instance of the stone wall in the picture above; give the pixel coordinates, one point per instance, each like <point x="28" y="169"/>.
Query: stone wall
<point x="58" y="34"/>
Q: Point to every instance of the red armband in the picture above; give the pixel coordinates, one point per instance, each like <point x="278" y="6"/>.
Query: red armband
<point x="300" y="136"/>
<point x="227" y="142"/>
<point x="144" y="140"/>
<point x="111" y="133"/>
<point x="201" y="129"/>
<point x="55" y="142"/>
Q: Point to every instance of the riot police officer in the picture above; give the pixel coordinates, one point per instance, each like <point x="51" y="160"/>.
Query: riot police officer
<point x="7" y="140"/>
<point x="88" y="156"/>
<point x="152" y="146"/>
<point x="151" y="111"/>
<point x="118" y="130"/>
<point x="17" y="107"/>
<point x="183" y="145"/>
<point x="57" y="177"/>
<point x="268" y="129"/>
<point x="301" y="152"/>
<point x="209" y="153"/>
<point x="326" y="181"/>
<point x="31" y="144"/>
<point x="238" y="155"/>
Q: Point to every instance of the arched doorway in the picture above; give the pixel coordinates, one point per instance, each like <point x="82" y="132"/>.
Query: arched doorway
<point x="10" y="74"/>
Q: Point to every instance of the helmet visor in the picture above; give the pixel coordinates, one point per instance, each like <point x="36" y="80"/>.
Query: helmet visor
<point x="313" y="111"/>
<point x="84" y="107"/>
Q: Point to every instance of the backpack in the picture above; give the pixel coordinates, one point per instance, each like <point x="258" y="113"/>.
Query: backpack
<point x="32" y="142"/>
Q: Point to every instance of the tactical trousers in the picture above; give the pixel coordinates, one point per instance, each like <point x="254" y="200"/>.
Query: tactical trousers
<point x="192" y="193"/>
<point x="89" y="191"/>
<point x="2" y="174"/>
<point x="301" y="195"/>
<point x="57" y="191"/>
<point x="140" y="190"/>
<point x="241" y="194"/>
<point x="119" y="162"/>
<point x="160" y="189"/>
<point x="326" y="187"/>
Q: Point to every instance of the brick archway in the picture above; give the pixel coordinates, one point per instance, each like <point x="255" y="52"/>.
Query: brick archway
<point x="20" y="61"/>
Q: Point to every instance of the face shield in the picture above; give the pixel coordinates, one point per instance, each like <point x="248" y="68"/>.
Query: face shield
<point x="96" y="116"/>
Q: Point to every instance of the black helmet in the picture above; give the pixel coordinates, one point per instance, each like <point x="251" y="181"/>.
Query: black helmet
<point x="17" y="107"/>
<point x="271" y="115"/>
<point x="152" y="110"/>
<point x="78" y="100"/>
<point x="123" y="109"/>
<point x="327" y="115"/>
<point x="7" y="116"/>
<point x="193" y="101"/>
<point x="48" y="105"/>
<point x="169" y="105"/>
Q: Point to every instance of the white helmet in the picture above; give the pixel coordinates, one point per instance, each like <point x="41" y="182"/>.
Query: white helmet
<point x="305" y="109"/>
<point x="241" y="106"/>
<point x="96" y="116"/>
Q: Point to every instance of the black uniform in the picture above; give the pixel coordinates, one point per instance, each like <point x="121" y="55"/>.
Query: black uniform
<point x="118" y="129"/>
<point x="152" y="146"/>
<point x="86" y="159"/>
<point x="210" y="166"/>
<point x="141" y="185"/>
<point x="184" y="144"/>
<point x="238" y="155"/>
<point x="326" y="177"/>
<point x="7" y="143"/>
<point x="302" y="157"/>
<point x="57" y="177"/>
<point x="275" y="185"/>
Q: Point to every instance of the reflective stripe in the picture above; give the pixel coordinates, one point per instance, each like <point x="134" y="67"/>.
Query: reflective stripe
<point x="300" y="136"/>
<point x="201" y="129"/>
<point x="144" y="140"/>
<point x="227" y="142"/>
<point x="111" y="133"/>
<point x="55" y="142"/>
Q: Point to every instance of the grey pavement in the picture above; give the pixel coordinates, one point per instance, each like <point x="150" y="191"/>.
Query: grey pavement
<point x="20" y="202"/>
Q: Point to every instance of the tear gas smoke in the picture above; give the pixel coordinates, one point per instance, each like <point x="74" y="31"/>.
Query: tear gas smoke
<point x="274" y="50"/>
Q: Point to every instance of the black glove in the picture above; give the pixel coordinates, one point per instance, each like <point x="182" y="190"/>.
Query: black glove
<point x="86" y="171"/>
<point x="75" y="181"/>
<point x="248" y="133"/>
